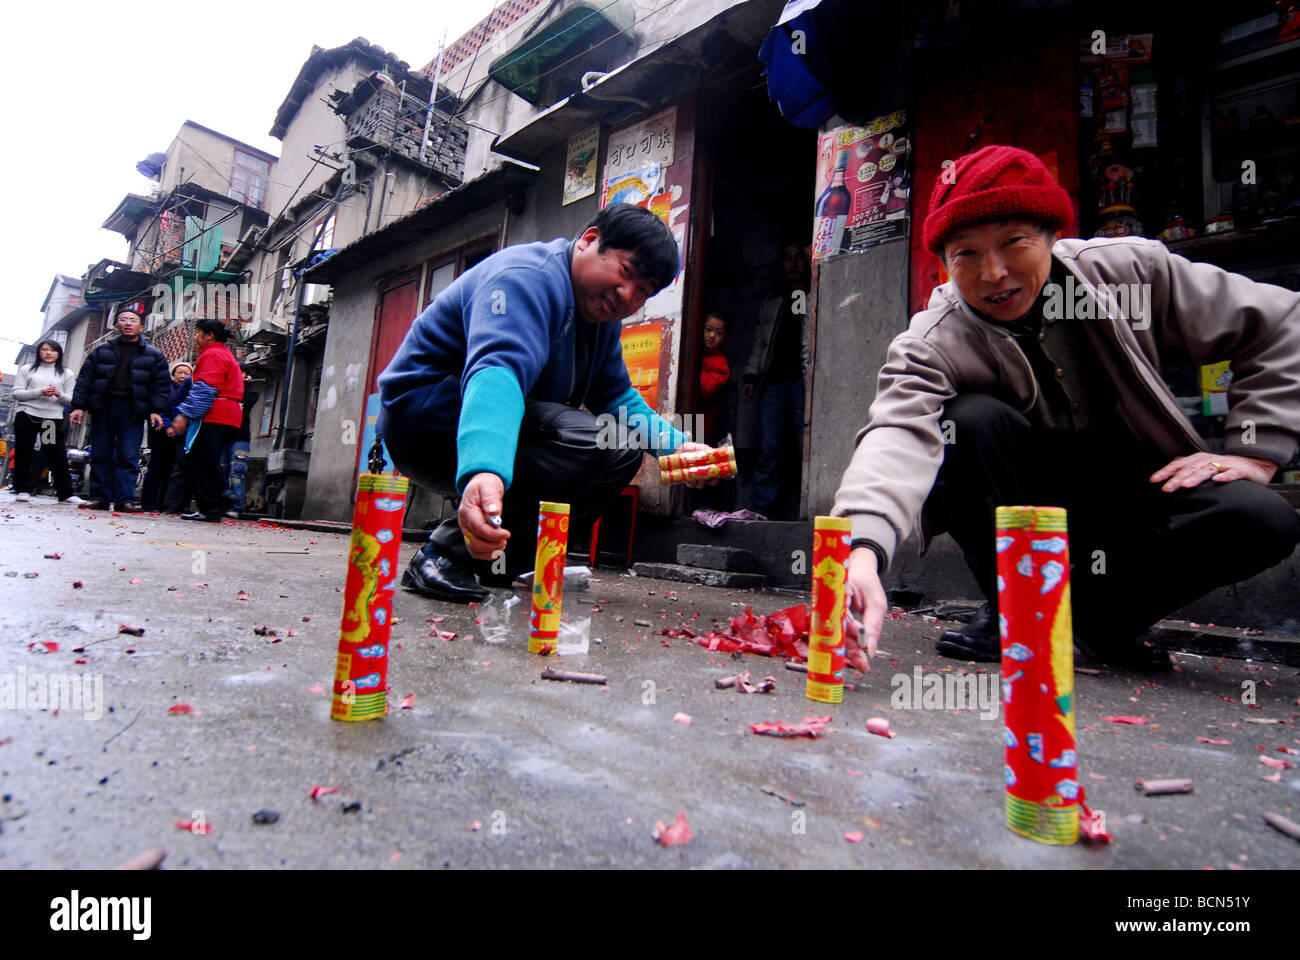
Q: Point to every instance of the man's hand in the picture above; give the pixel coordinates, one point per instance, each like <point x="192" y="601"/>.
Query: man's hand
<point x="76" y="417"/>
<point x="690" y="446"/>
<point x="865" y="596"/>
<point x="482" y="499"/>
<point x="179" y="423"/>
<point x="747" y="391"/>
<point x="1194" y="470"/>
<point x="155" y="421"/>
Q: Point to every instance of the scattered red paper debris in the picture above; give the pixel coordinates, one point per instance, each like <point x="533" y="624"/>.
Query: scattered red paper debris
<point x="438" y="618"/>
<point x="1274" y="762"/>
<point x="306" y="619"/>
<point x="316" y="689"/>
<point x="1217" y="743"/>
<point x="856" y="773"/>
<point x="442" y="634"/>
<point x="132" y="650"/>
<point x="682" y="718"/>
<point x="50" y="646"/>
<point x="1274" y="777"/>
<point x="53" y="556"/>
<point x="241" y="595"/>
<point x="853" y="836"/>
<point x="476" y="826"/>
<point x="131" y="629"/>
<point x="880" y="727"/>
<point x="809" y="728"/>
<point x="77" y="584"/>
<point x="316" y="792"/>
<point x="780" y="634"/>
<point x="79" y="660"/>
<point x="1136" y="721"/>
<point x="193" y="826"/>
<point x="1222" y="697"/>
<point x="134" y="581"/>
<point x="180" y="708"/>
<point x="674" y="833"/>
<point x="266" y="632"/>
<point x="408" y="701"/>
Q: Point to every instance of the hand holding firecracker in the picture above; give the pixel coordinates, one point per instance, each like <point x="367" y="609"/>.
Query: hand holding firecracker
<point x="480" y="516"/>
<point x="864" y="596"/>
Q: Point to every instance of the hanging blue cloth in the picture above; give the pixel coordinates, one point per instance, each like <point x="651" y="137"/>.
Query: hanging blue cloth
<point x="797" y="67"/>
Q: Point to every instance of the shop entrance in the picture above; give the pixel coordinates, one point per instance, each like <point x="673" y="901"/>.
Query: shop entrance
<point x="759" y="174"/>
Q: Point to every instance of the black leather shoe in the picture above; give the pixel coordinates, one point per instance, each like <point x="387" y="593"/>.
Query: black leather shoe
<point x="1141" y="656"/>
<point x="431" y="574"/>
<point x="95" y="505"/>
<point x="200" y="515"/>
<point x="129" y="507"/>
<point x="978" y="640"/>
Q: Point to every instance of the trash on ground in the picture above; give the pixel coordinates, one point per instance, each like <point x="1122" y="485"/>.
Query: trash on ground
<point x="1153" y="788"/>
<point x="674" y="833"/>
<point x="880" y="727"/>
<point x="266" y="816"/>
<point x="550" y="673"/>
<point x="809" y="728"/>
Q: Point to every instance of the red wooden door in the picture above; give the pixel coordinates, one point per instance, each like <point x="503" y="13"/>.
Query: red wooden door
<point x="399" y="300"/>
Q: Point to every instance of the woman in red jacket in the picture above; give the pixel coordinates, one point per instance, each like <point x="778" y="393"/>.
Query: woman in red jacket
<point x="209" y="418"/>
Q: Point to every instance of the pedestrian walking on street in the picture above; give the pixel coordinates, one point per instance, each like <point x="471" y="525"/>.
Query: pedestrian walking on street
<point x="162" y="448"/>
<point x="41" y="391"/>
<point x="483" y="395"/>
<point x="122" y="384"/>
<point x="209" y="417"/>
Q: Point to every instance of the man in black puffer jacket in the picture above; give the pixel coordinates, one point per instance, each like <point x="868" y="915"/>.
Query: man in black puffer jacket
<point x="121" y="383"/>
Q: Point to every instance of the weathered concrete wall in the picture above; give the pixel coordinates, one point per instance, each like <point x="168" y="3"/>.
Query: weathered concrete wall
<point x="343" y="382"/>
<point x="860" y="308"/>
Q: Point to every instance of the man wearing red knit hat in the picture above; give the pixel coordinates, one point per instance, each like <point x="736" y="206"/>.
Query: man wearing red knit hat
<point x="1033" y="377"/>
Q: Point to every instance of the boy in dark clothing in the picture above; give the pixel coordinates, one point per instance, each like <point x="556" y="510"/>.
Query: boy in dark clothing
<point x="121" y="383"/>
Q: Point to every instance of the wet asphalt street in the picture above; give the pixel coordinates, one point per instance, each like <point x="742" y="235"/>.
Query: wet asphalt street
<point x="492" y="766"/>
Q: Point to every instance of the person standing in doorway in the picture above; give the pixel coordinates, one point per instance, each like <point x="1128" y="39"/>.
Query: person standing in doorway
<point x="778" y="363"/>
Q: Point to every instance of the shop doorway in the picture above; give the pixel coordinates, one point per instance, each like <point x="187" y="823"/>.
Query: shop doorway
<point x="760" y="175"/>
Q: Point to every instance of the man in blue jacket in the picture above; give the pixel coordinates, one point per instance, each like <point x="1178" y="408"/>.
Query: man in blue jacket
<point x="483" y="395"/>
<point x="121" y="383"/>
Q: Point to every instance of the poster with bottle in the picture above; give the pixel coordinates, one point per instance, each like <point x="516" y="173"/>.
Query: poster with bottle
<point x="863" y="185"/>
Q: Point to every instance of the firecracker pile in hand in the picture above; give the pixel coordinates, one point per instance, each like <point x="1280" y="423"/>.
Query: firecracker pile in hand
<point x="780" y="634"/>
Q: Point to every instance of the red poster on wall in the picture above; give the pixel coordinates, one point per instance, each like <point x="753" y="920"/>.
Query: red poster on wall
<point x="641" y="353"/>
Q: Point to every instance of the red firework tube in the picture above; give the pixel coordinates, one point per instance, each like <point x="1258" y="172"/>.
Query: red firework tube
<point x="825" y="682"/>
<point x="361" y="670"/>
<point x="1042" y="778"/>
<point x="548" y="576"/>
<point x="677" y="461"/>
<point x="717" y="464"/>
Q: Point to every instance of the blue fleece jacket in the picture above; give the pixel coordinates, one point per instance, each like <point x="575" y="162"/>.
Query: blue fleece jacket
<point x="502" y="331"/>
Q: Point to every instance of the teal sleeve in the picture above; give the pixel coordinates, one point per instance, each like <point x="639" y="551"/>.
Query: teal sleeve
<point x="488" y="434"/>
<point x="662" y="436"/>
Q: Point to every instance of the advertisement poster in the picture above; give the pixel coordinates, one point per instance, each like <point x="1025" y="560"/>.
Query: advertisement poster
<point x="580" y="165"/>
<point x="864" y="178"/>
<point x="641" y="352"/>
<point x="652" y="141"/>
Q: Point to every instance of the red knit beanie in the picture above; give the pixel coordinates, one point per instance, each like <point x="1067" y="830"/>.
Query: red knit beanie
<point x="994" y="183"/>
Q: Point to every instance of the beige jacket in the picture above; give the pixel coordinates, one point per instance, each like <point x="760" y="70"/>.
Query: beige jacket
<point x="1209" y="313"/>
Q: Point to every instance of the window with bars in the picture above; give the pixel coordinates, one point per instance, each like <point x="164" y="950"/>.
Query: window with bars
<point x="248" y="179"/>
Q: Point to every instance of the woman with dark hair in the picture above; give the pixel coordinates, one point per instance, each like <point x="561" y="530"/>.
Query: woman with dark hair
<point x="209" y="417"/>
<point x="41" y="391"/>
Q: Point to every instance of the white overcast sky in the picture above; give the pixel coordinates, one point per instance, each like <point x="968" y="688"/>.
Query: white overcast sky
<point x="95" y="87"/>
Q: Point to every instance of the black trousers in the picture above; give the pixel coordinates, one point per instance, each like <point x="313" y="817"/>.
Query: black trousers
<point x="203" y="467"/>
<point x="162" y="457"/>
<point x="1137" y="553"/>
<point x="558" y="458"/>
<point x="26" y="469"/>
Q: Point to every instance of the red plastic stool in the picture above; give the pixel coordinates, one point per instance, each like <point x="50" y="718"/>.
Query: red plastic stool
<point x="633" y="491"/>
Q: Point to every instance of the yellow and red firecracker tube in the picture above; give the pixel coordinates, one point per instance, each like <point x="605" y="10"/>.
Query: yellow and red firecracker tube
<point x="718" y="463"/>
<point x="548" y="576"/>
<point x="361" y="670"/>
<point x="831" y="537"/>
<point x="1042" y="777"/>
